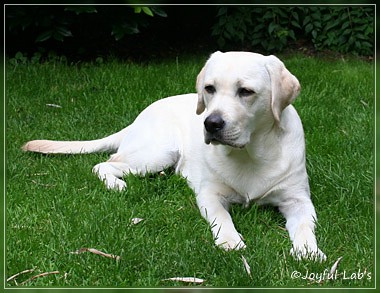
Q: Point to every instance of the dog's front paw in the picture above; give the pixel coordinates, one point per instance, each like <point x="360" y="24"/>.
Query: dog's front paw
<point x="230" y="243"/>
<point x="116" y="184"/>
<point x="308" y="254"/>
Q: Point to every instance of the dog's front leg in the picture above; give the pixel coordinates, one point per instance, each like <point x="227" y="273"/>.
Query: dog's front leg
<point x="300" y="223"/>
<point x="214" y="209"/>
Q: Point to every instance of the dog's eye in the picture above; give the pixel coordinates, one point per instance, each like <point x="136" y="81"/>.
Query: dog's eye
<point x="244" y="92"/>
<point x="210" y="89"/>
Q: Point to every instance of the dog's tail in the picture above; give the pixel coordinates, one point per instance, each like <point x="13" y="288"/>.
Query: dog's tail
<point x="107" y="144"/>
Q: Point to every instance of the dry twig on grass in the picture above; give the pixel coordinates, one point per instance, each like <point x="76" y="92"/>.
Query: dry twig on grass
<point x="20" y="273"/>
<point x="95" y="251"/>
<point x="39" y="276"/>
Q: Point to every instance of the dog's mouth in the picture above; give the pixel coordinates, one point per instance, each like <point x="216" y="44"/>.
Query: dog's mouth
<point x="213" y="141"/>
<point x="217" y="140"/>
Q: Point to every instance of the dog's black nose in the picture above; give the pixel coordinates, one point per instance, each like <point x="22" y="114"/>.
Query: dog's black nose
<point x="214" y="123"/>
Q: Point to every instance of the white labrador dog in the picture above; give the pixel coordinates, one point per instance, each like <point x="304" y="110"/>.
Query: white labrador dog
<point x="237" y="140"/>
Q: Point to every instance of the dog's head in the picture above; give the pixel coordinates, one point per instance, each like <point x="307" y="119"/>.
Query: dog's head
<point x="241" y="93"/>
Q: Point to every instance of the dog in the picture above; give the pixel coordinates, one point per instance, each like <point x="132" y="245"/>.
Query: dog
<point x="237" y="140"/>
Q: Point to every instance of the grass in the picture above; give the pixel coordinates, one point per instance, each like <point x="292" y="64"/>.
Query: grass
<point x="55" y="205"/>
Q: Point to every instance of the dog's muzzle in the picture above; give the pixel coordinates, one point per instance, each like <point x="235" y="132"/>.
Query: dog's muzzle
<point x="216" y="132"/>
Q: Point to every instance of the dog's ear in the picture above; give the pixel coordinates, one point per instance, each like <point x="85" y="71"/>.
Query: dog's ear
<point x="199" y="86"/>
<point x="285" y="86"/>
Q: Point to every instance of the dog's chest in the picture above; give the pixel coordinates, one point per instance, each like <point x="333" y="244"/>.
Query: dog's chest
<point x="251" y="179"/>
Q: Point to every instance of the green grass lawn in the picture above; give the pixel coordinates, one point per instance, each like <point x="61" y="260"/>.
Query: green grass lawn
<point x="56" y="206"/>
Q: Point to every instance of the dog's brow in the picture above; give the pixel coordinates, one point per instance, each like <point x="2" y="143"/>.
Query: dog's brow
<point x="241" y="83"/>
<point x="209" y="82"/>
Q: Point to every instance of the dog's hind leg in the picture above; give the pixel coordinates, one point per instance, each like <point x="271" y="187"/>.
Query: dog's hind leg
<point x="121" y="164"/>
<point x="151" y="144"/>
<point x="111" y="172"/>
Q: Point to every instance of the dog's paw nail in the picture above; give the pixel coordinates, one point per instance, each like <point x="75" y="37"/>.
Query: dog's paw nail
<point x="118" y="184"/>
<point x="230" y="244"/>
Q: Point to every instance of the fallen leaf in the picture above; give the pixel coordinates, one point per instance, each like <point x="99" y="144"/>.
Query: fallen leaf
<point x="246" y="266"/>
<point x="136" y="220"/>
<point x="185" y="280"/>
<point x="54" y="105"/>
<point x="335" y="266"/>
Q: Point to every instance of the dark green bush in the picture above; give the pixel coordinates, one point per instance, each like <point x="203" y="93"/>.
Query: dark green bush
<point x="342" y="29"/>
<point x="254" y="26"/>
<point x="58" y="22"/>
<point x="86" y="31"/>
<point x="339" y="28"/>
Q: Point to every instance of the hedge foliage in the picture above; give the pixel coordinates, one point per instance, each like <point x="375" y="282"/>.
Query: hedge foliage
<point x="345" y="29"/>
<point x="57" y="22"/>
<point x="338" y="28"/>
